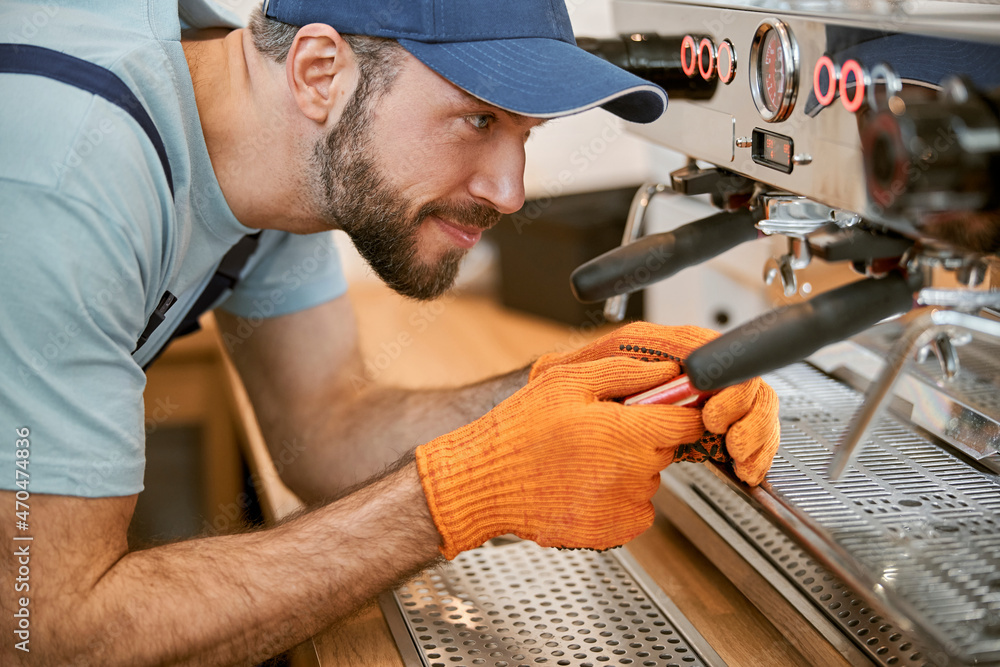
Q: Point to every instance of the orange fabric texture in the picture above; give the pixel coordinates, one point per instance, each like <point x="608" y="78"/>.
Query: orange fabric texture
<point x="558" y="462"/>
<point x="746" y="414"/>
<point x="638" y="340"/>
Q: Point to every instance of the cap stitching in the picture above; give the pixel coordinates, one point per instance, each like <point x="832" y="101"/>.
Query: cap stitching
<point x="581" y="105"/>
<point x="492" y="64"/>
<point x="538" y="64"/>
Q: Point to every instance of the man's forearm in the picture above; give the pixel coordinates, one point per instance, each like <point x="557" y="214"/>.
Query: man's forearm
<point x="239" y="599"/>
<point x="356" y="438"/>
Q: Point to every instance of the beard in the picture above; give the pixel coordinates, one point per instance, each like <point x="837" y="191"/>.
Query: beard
<point x="382" y="223"/>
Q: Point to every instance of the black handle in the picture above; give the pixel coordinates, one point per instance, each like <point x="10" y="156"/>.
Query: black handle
<point x="652" y="258"/>
<point x="789" y="334"/>
<point x="653" y="57"/>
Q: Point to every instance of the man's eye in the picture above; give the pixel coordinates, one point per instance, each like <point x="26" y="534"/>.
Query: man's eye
<point x="481" y="121"/>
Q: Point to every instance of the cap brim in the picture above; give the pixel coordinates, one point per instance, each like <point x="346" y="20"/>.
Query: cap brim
<point x="543" y="78"/>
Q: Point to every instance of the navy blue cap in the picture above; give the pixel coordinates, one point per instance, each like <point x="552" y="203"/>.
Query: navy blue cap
<point x="518" y="55"/>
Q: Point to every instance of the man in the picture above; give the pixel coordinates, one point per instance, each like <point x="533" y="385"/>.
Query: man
<point x="402" y="123"/>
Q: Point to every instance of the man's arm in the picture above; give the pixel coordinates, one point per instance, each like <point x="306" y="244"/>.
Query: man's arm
<point x="221" y="600"/>
<point x="327" y="430"/>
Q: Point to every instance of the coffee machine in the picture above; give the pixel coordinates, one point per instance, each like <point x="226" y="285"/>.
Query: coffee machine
<point x="858" y="143"/>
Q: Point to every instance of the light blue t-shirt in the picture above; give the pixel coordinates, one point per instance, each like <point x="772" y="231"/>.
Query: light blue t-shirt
<point x="90" y="239"/>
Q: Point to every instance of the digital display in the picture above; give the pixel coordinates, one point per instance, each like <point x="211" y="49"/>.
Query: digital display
<point x="772" y="150"/>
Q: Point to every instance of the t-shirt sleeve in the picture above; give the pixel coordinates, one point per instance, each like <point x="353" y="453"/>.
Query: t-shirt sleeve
<point x="294" y="272"/>
<point x="71" y="309"/>
<point x="207" y="14"/>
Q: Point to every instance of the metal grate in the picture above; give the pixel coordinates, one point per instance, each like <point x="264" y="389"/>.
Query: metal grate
<point x="883" y="642"/>
<point x="908" y="517"/>
<point x="519" y="605"/>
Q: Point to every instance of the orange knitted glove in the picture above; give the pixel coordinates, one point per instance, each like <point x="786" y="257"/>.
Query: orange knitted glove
<point x="557" y="462"/>
<point x="638" y="340"/>
<point x="746" y="414"/>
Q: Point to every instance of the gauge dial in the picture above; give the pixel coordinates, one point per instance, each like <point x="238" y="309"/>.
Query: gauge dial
<point x="772" y="74"/>
<point x="774" y="70"/>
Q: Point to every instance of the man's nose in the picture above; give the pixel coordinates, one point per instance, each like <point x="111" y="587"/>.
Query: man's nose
<point x="498" y="180"/>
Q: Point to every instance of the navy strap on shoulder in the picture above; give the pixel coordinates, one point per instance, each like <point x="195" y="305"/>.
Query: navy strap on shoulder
<point x="225" y="278"/>
<point x="40" y="61"/>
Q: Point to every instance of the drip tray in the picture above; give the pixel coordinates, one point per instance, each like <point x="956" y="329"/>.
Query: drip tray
<point x="522" y="605"/>
<point x="908" y="538"/>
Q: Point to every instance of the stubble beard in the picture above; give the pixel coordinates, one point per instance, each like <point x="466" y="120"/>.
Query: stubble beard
<point x="379" y="220"/>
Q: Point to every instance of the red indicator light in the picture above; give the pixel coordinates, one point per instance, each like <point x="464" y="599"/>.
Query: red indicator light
<point x="824" y="63"/>
<point x="689" y="55"/>
<point x="726" y="61"/>
<point x="706" y="59"/>
<point x="852" y="102"/>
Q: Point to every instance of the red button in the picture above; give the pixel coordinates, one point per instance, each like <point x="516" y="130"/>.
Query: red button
<point x="689" y="55"/>
<point x="854" y="102"/>
<point x="824" y="63"/>
<point x="726" y="60"/>
<point x="706" y="59"/>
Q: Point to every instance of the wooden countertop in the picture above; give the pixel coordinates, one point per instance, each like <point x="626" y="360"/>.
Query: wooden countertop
<point x="442" y="343"/>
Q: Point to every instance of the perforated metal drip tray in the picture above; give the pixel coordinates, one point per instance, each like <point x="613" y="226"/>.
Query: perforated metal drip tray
<point x="521" y="605"/>
<point x="909" y="535"/>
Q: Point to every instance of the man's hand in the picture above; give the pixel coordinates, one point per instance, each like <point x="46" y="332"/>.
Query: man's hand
<point x="559" y="462"/>
<point x="746" y="414"/>
<point x="638" y="340"/>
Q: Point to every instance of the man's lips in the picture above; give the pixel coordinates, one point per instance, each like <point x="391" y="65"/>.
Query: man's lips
<point x="463" y="236"/>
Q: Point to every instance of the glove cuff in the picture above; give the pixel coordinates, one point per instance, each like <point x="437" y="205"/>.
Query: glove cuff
<point x="457" y="474"/>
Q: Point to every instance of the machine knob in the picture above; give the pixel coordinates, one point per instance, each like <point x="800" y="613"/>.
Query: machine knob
<point x="927" y="159"/>
<point x="654" y="58"/>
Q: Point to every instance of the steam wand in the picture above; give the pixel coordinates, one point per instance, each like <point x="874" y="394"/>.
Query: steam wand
<point x="922" y="331"/>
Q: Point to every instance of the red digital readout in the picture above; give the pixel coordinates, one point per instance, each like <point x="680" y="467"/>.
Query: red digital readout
<point x="772" y="150"/>
<point x="777" y="150"/>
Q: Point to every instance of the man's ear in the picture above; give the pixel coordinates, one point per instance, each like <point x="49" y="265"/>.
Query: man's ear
<point x="321" y="72"/>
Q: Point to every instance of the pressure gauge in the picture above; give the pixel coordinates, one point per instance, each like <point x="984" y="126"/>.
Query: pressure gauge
<point x="774" y="70"/>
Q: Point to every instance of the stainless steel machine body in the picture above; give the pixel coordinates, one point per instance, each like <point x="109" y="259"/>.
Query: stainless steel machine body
<point x="872" y="123"/>
<point x="899" y="41"/>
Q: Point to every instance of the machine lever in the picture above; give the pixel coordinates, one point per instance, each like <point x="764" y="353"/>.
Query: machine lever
<point x="791" y="333"/>
<point x="693" y="180"/>
<point x="632" y="267"/>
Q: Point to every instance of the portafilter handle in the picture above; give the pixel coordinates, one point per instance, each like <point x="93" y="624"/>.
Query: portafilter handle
<point x="614" y="308"/>
<point x="791" y="333"/>
<point x="641" y="263"/>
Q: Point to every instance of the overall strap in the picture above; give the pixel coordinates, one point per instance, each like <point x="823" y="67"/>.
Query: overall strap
<point x="225" y="278"/>
<point x="40" y="61"/>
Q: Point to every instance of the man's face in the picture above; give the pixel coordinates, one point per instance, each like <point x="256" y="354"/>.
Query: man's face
<point x="415" y="177"/>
